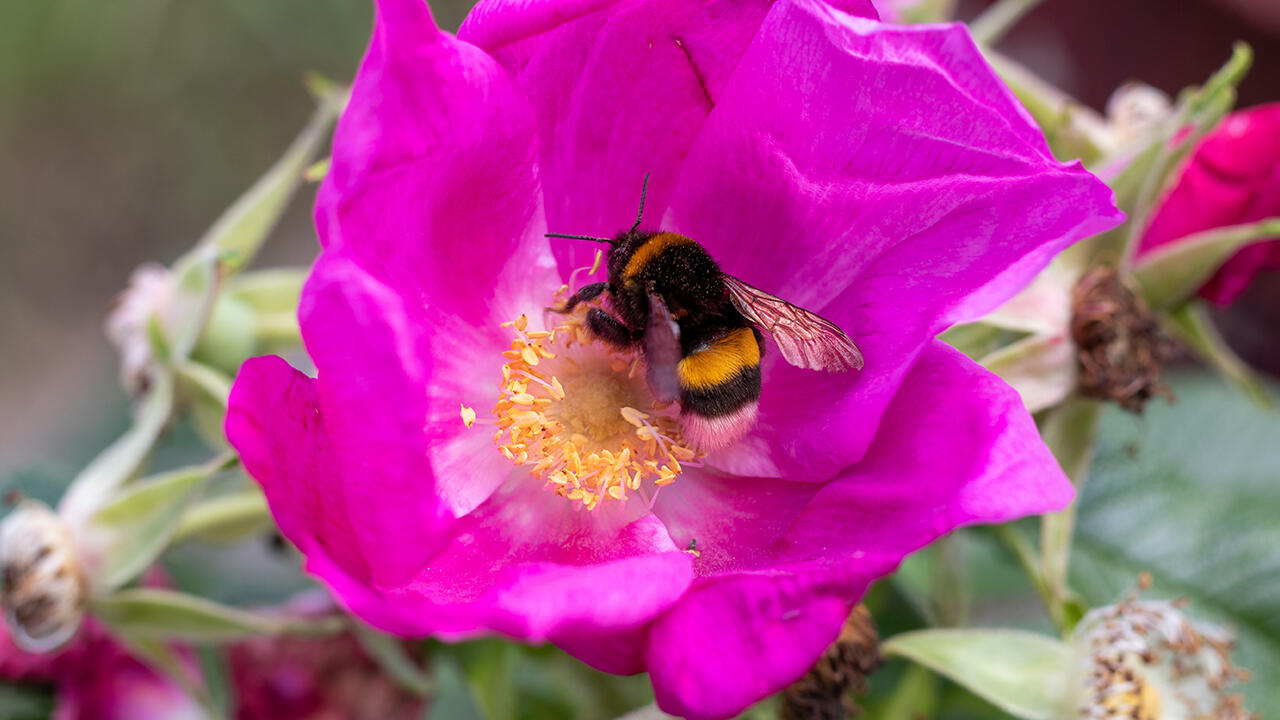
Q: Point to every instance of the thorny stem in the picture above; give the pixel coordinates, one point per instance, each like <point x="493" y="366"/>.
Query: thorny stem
<point x="992" y="24"/>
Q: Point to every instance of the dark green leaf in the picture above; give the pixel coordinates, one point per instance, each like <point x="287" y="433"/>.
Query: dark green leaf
<point x="1189" y="492"/>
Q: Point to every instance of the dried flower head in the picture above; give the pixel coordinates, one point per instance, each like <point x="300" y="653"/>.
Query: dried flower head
<point x="151" y="289"/>
<point x="1149" y="661"/>
<point x="824" y="693"/>
<point x="1120" y="346"/>
<point x="44" y="591"/>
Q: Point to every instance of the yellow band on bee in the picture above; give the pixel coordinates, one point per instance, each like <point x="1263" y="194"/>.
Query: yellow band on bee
<point x="650" y="250"/>
<point x="718" y="363"/>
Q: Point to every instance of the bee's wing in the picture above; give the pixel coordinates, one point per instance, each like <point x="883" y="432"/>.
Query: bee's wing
<point x="806" y="339"/>
<point x="661" y="351"/>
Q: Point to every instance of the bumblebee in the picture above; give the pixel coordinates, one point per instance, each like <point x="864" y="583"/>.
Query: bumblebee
<point x="699" y="330"/>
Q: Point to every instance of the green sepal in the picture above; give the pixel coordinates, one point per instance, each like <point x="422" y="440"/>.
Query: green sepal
<point x="1022" y="673"/>
<point x="228" y="337"/>
<point x="198" y="277"/>
<point x="238" y="234"/>
<point x="205" y="392"/>
<point x="226" y="519"/>
<point x="1072" y="129"/>
<point x="122" y="459"/>
<point x="1172" y="273"/>
<point x="1042" y="368"/>
<point x="149" y="613"/>
<point x="273" y="296"/>
<point x="927" y="11"/>
<point x="1199" y="109"/>
<point x="1191" y="325"/>
<point x="131" y="530"/>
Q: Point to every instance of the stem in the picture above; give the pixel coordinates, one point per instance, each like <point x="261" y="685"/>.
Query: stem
<point x="953" y="588"/>
<point x="1069" y="432"/>
<point x="992" y="24"/>
<point x="1025" y="554"/>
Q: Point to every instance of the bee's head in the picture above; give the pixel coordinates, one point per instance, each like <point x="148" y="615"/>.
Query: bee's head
<point x="622" y="238"/>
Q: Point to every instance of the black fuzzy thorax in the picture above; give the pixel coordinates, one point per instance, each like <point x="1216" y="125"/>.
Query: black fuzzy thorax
<point x="688" y="280"/>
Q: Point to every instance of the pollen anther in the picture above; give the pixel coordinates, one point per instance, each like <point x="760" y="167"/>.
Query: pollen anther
<point x="570" y="415"/>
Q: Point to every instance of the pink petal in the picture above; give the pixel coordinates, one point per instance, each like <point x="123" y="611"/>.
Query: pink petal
<point x="1231" y="178"/>
<point x="274" y="423"/>
<point x="619" y="90"/>
<point x="733" y="641"/>
<point x="955" y="447"/>
<point x="530" y="565"/>
<point x="375" y="453"/>
<point x="434" y="183"/>
<point x="525" y="563"/>
<point x="883" y="176"/>
<point x="542" y="566"/>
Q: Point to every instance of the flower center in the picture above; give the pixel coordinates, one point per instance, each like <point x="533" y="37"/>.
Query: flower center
<point x="568" y="410"/>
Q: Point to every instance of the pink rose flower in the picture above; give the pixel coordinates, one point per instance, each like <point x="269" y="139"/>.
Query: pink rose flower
<point x="1232" y="177"/>
<point x="879" y="175"/>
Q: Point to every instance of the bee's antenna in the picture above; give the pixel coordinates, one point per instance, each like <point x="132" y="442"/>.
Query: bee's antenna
<point x="580" y="237"/>
<point x="644" y="190"/>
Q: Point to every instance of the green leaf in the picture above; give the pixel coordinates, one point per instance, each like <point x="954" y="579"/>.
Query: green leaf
<point x="1174" y="272"/>
<point x="240" y="231"/>
<point x="164" y="614"/>
<point x="1025" y="674"/>
<point x="129" y="532"/>
<point x="226" y="518"/>
<point x="122" y="459"/>
<point x="1191" y="324"/>
<point x="1188" y="493"/>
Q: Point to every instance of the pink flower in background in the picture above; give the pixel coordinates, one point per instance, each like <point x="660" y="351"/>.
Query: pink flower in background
<point x="1232" y="177"/>
<point x="879" y="175"/>
<point x="314" y="678"/>
<point x="275" y="678"/>
<point x="95" y="679"/>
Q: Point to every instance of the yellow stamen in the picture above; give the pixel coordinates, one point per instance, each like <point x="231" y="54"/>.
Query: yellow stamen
<point x="570" y="416"/>
<point x="468" y="415"/>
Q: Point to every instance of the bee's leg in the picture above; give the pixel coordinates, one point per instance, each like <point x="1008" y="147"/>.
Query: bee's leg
<point x="585" y="293"/>
<point x="610" y="329"/>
